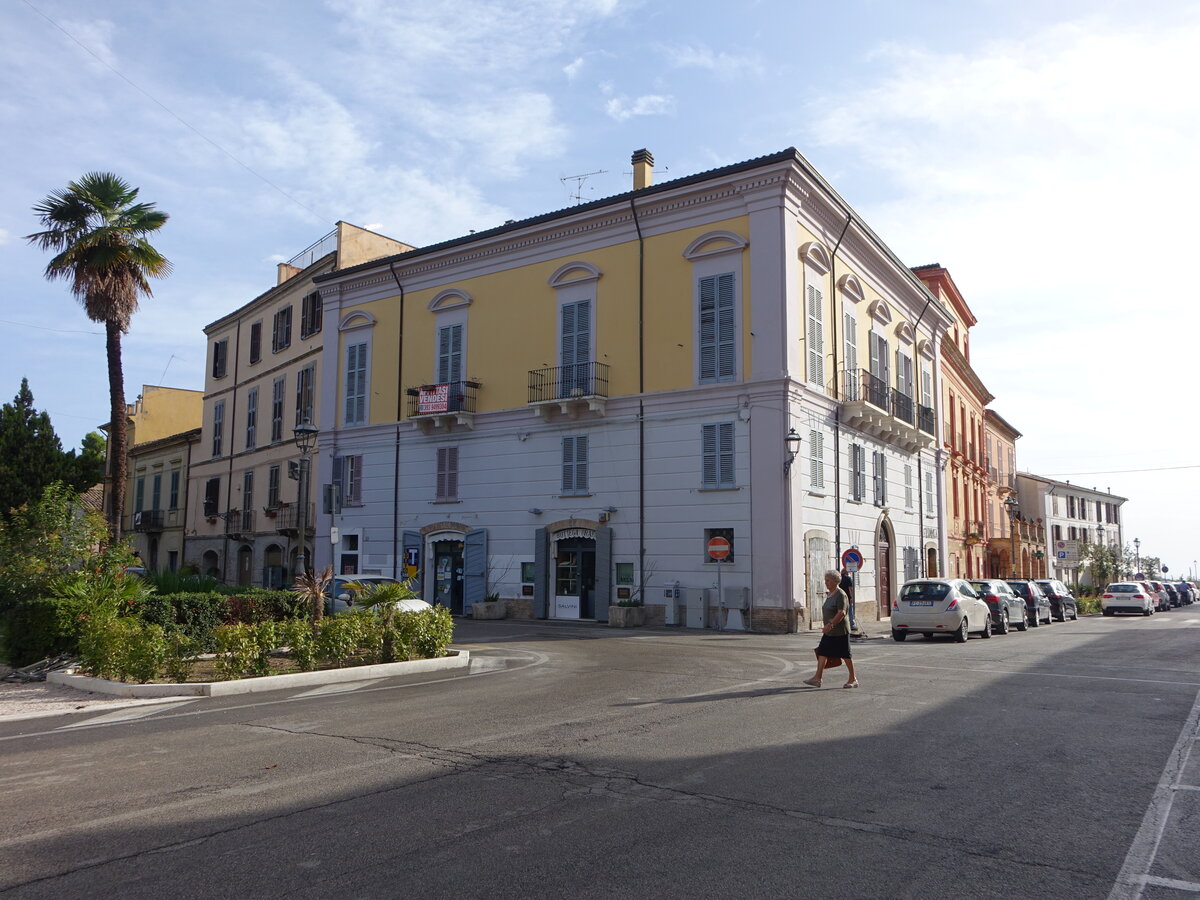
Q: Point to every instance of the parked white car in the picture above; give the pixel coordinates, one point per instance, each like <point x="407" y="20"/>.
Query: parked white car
<point x="932" y="606"/>
<point x="340" y="593"/>
<point x="1127" y="596"/>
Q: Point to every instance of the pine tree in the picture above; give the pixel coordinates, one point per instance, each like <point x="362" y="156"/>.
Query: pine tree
<point x="31" y="455"/>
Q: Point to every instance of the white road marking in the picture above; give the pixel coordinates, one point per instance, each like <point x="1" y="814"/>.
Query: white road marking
<point x="1135" y="872"/>
<point x="487" y="663"/>
<point x="338" y="688"/>
<point x="962" y="671"/>
<point x="1189" y="886"/>
<point x="1185" y="787"/>
<point x="126" y="715"/>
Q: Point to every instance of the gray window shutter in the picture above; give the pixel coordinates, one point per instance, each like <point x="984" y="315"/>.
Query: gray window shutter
<point x="708" y="477"/>
<point x="603" y="573"/>
<point x="568" y="465"/>
<point x="413" y="540"/>
<point x="725" y="476"/>
<point x="475" y="559"/>
<point x="816" y="338"/>
<point x="576" y="347"/>
<point x="726" y="329"/>
<point x="449" y="354"/>
<point x="708" y="329"/>
<point x="541" y="573"/>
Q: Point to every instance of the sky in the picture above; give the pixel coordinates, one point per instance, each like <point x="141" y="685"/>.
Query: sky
<point x="1044" y="152"/>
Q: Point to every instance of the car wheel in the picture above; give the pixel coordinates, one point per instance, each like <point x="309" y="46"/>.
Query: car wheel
<point x="1034" y="621"/>
<point x="1108" y="612"/>
<point x="1075" y="614"/>
<point x="899" y="636"/>
<point x="1145" y="612"/>
<point x="1003" y="629"/>
<point x="987" y="627"/>
<point x="960" y="636"/>
<point x="927" y="636"/>
<point x="1023" y="625"/>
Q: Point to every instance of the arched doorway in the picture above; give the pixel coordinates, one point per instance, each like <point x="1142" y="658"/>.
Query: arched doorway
<point x="931" y="562"/>
<point x="210" y="564"/>
<point x="884" y="542"/>
<point x="273" y="571"/>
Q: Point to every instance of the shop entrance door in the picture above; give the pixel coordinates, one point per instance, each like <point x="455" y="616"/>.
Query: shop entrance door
<point x="575" y="579"/>
<point x="448" y="575"/>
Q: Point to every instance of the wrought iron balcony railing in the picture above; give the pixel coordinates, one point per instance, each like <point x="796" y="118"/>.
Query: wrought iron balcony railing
<point x="239" y="521"/>
<point x="148" y="520"/>
<point x="902" y="407"/>
<point x="568" y="382"/>
<point x="926" y="420"/>
<point x="287" y="520"/>
<point x="442" y="399"/>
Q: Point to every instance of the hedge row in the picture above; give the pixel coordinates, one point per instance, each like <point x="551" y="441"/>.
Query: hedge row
<point x="45" y="626"/>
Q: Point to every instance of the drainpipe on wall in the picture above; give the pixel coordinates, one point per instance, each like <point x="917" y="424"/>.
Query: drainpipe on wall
<point x="399" y="415"/>
<point x="237" y="342"/>
<point x="641" y="395"/>
<point x="835" y="318"/>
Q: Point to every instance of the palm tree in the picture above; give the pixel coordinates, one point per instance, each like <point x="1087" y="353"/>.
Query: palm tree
<point x="99" y="234"/>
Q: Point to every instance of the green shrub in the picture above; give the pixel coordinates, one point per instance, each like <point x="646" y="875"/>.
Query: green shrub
<point x="122" y="648"/>
<point x="339" y="637"/>
<point x="431" y="632"/>
<point x="298" y="635"/>
<point x="40" y="627"/>
<point x="236" y="650"/>
<point x="145" y="651"/>
<point x="1088" y="605"/>
<point x="196" y="615"/>
<point x="168" y="582"/>
<point x="251" y="605"/>
<point x="180" y="656"/>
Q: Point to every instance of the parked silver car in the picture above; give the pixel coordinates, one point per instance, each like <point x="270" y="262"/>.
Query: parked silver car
<point x="932" y="606"/>
<point x="1037" y="604"/>
<point x="1008" y="610"/>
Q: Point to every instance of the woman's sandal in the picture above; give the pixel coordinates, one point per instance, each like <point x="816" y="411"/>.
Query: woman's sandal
<point x="851" y="684"/>
<point x="813" y="682"/>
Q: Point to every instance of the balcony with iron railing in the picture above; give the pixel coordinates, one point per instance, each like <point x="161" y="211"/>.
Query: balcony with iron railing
<point x="239" y="522"/>
<point x="874" y="408"/>
<point x="569" y="389"/>
<point x="287" y="519"/>
<point x="442" y="406"/>
<point x="148" y="521"/>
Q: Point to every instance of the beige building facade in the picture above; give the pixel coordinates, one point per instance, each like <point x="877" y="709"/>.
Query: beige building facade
<point x="263" y="377"/>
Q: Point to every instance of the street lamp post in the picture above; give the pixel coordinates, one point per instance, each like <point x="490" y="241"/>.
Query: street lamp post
<point x="1011" y="506"/>
<point x="1137" y="556"/>
<point x="306" y="439"/>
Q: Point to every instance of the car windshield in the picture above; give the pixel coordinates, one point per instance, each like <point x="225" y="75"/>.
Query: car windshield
<point x="925" y="590"/>
<point x="1123" y="589"/>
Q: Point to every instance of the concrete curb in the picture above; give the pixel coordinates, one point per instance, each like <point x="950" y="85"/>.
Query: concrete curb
<point x="458" y="659"/>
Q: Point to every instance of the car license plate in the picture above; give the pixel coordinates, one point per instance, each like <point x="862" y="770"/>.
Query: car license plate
<point x="920" y="603"/>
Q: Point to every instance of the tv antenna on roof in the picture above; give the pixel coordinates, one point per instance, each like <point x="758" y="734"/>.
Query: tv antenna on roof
<point x="576" y="193"/>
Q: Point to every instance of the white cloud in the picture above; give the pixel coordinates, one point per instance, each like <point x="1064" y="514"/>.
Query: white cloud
<point x="573" y="68"/>
<point x="622" y="108"/>
<point x="701" y="56"/>
<point x="94" y="34"/>
<point x="5" y="236"/>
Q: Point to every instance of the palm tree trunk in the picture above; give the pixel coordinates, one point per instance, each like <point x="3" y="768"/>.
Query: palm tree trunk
<point x="118" y="461"/>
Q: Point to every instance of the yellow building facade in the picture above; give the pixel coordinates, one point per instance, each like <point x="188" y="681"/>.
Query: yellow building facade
<point x="569" y="409"/>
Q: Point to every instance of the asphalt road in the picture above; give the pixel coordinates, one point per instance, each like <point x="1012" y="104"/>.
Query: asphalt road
<point x="589" y="762"/>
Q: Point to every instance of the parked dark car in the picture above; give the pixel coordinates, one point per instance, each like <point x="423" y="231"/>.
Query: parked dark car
<point x="1062" y="601"/>
<point x="1037" y="604"/>
<point x="1007" y="608"/>
<point x="1164" y="599"/>
<point x="1172" y="594"/>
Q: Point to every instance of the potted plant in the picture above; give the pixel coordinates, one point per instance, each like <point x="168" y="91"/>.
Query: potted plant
<point x="492" y="607"/>
<point x="627" y="614"/>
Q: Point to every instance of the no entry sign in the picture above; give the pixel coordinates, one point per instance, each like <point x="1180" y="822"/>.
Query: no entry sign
<point x="718" y="548"/>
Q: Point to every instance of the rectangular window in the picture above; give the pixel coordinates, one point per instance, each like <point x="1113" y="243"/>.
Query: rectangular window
<point x="1071" y="508"/>
<point x="927" y="388"/>
<point x="717" y="452"/>
<point x="815" y="336"/>
<point x="1083" y="508"/>
<point x="858" y="474"/>
<point x="220" y="358"/>
<point x="247" y="494"/>
<point x="281" y="335"/>
<point x="139" y="495"/>
<point x="277" y="391"/>
<point x="356" y="384"/>
<point x="310" y="314"/>
<point x="879" y="478"/>
<point x="212" y="495"/>
<point x="449" y="364"/>
<point x="816" y="460"/>
<point x="929" y="495"/>
<point x="173" y="495"/>
<point x="218" y="426"/>
<point x="880" y="365"/>
<point x="718" y="329"/>
<point x="908" y="487"/>
<point x="256" y="342"/>
<point x="575" y="349"/>
<point x="904" y="374"/>
<point x="251" y="418"/>
<point x="447" y="473"/>
<point x="1057" y="529"/>
<point x="575" y="464"/>
<point x="850" y="350"/>
<point x="1071" y="533"/>
<point x="304" y="395"/>
<point x="156" y="492"/>
<point x="273" y="487"/>
<point x="350" y="478"/>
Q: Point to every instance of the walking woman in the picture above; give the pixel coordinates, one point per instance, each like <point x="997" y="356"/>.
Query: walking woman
<point x="835" y="632"/>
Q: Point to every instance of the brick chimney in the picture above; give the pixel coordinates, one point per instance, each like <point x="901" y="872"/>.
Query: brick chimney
<point x="643" y="169"/>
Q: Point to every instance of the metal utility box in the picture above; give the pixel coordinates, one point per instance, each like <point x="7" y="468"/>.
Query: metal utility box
<point x="736" y="608"/>
<point x="697" y="602"/>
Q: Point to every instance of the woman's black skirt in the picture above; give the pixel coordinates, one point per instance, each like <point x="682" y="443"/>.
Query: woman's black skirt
<point x="836" y="645"/>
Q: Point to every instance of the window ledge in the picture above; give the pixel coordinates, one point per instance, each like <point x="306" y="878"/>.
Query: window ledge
<point x="817" y="492"/>
<point x="576" y="495"/>
<point x="441" y="502"/>
<point x="717" y="490"/>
